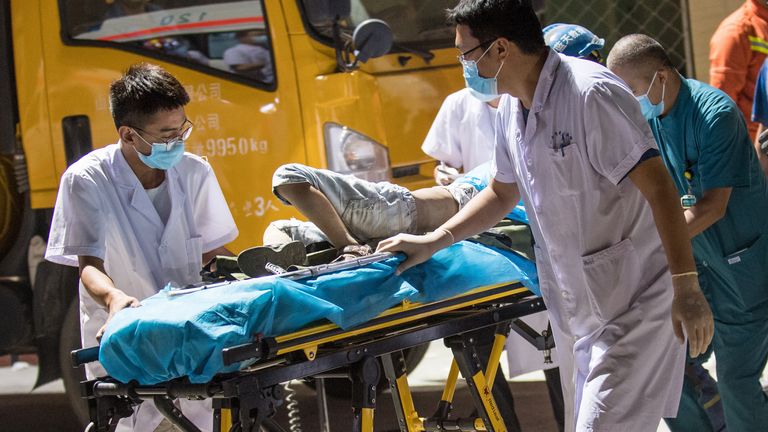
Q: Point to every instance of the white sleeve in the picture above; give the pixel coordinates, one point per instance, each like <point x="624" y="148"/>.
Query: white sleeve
<point x="212" y="216"/>
<point x="234" y="57"/>
<point x="502" y="157"/>
<point x="442" y="141"/>
<point x="617" y="133"/>
<point x="263" y="55"/>
<point x="78" y="225"/>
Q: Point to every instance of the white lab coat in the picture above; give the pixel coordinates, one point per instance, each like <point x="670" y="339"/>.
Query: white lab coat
<point x="102" y="210"/>
<point x="462" y="133"/>
<point x="463" y="136"/>
<point x="522" y="356"/>
<point x="601" y="265"/>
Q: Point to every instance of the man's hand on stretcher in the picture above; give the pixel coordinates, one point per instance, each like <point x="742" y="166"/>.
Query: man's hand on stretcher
<point x="418" y="248"/>
<point x="481" y="213"/>
<point x="117" y="301"/>
<point x="101" y="288"/>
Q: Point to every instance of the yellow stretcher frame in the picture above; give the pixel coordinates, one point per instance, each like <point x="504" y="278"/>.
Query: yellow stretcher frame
<point x="320" y="349"/>
<point x="404" y="306"/>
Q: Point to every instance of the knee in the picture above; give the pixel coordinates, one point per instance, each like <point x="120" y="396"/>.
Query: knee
<point x="291" y="192"/>
<point x="290" y="180"/>
<point x="290" y="173"/>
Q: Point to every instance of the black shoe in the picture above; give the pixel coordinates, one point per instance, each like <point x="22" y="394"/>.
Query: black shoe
<point x="253" y="262"/>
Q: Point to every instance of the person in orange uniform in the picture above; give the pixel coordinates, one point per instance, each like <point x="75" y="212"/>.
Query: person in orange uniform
<point x="736" y="52"/>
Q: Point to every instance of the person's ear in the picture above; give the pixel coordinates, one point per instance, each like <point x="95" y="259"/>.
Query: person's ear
<point x="502" y="47"/>
<point x="126" y="135"/>
<point x="663" y="75"/>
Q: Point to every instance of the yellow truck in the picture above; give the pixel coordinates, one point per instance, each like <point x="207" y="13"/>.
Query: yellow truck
<point x="271" y="82"/>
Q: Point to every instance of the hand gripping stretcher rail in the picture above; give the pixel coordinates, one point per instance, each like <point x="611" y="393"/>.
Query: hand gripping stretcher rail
<point x="246" y="400"/>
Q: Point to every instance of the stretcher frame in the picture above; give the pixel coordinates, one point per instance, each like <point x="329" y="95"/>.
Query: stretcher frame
<point x="246" y="400"/>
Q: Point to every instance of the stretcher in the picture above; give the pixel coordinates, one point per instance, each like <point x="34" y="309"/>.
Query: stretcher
<point x="246" y="400"/>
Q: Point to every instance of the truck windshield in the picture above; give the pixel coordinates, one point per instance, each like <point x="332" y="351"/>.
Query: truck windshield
<point x="228" y="36"/>
<point x="415" y="24"/>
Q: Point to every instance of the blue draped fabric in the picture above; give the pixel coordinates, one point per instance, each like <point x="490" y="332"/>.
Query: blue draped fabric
<point x="169" y="337"/>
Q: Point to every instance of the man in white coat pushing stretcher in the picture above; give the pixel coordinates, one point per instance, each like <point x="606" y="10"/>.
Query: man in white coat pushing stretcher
<point x="572" y="141"/>
<point x="139" y="214"/>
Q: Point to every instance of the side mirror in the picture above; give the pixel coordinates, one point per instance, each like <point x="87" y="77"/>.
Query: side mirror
<point x="372" y="38"/>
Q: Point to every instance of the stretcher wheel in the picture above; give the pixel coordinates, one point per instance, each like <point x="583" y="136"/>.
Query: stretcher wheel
<point x="342" y="389"/>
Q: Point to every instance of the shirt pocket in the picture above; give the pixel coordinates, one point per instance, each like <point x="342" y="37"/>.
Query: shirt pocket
<point x="611" y="275"/>
<point x="195" y="256"/>
<point x="564" y="171"/>
<point x="749" y="267"/>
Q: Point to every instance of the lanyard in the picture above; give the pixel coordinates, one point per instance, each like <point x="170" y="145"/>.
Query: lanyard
<point x="688" y="200"/>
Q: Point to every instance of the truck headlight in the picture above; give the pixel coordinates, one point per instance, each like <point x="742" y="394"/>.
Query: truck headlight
<point x="350" y="152"/>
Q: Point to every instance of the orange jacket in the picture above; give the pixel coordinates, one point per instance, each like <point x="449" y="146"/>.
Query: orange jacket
<point x="737" y="51"/>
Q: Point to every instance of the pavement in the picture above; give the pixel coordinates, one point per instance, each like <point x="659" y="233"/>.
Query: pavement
<point x="46" y="409"/>
<point x="20" y="378"/>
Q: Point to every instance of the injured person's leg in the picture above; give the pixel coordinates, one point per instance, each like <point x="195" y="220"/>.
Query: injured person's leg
<point x="354" y="214"/>
<point x="350" y="211"/>
<point x="313" y="204"/>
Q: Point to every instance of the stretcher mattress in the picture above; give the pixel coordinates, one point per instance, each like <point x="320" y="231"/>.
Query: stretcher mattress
<point x="172" y="336"/>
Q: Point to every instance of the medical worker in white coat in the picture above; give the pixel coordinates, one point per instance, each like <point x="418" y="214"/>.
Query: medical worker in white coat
<point x="138" y="215"/>
<point x="462" y="136"/>
<point x="615" y="265"/>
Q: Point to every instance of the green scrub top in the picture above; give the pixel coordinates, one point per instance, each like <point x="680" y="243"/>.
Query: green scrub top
<point x="705" y="133"/>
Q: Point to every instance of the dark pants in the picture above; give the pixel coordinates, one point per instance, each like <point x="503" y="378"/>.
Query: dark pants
<point x="555" y="390"/>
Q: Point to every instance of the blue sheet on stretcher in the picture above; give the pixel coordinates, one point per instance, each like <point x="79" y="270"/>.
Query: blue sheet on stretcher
<point x="174" y="336"/>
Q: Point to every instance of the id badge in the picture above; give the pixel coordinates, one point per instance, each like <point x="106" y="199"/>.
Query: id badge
<point x="687" y="201"/>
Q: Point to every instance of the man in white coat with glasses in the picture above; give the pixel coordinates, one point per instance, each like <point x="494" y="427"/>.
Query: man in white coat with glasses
<point x="138" y="215"/>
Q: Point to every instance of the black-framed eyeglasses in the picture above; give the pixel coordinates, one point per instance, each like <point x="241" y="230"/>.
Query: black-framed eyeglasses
<point x="168" y="142"/>
<point x="462" y="55"/>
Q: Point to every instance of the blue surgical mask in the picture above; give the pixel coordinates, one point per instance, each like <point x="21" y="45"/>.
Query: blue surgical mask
<point x="484" y="89"/>
<point x="651" y="111"/>
<point x="163" y="156"/>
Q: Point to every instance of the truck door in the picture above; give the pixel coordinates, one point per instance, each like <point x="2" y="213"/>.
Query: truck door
<point x="232" y="56"/>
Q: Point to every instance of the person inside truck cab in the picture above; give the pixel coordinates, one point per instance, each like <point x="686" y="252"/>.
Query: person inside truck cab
<point x="139" y="215"/>
<point x="249" y="57"/>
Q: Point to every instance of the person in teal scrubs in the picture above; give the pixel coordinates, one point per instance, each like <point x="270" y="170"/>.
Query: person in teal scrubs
<point x="704" y="143"/>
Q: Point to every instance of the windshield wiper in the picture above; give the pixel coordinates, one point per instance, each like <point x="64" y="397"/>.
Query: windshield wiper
<point x="426" y="55"/>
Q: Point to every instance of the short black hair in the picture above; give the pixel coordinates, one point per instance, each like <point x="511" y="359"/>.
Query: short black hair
<point x="491" y="19"/>
<point x="243" y="33"/>
<point x="142" y="91"/>
<point x="639" y="50"/>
